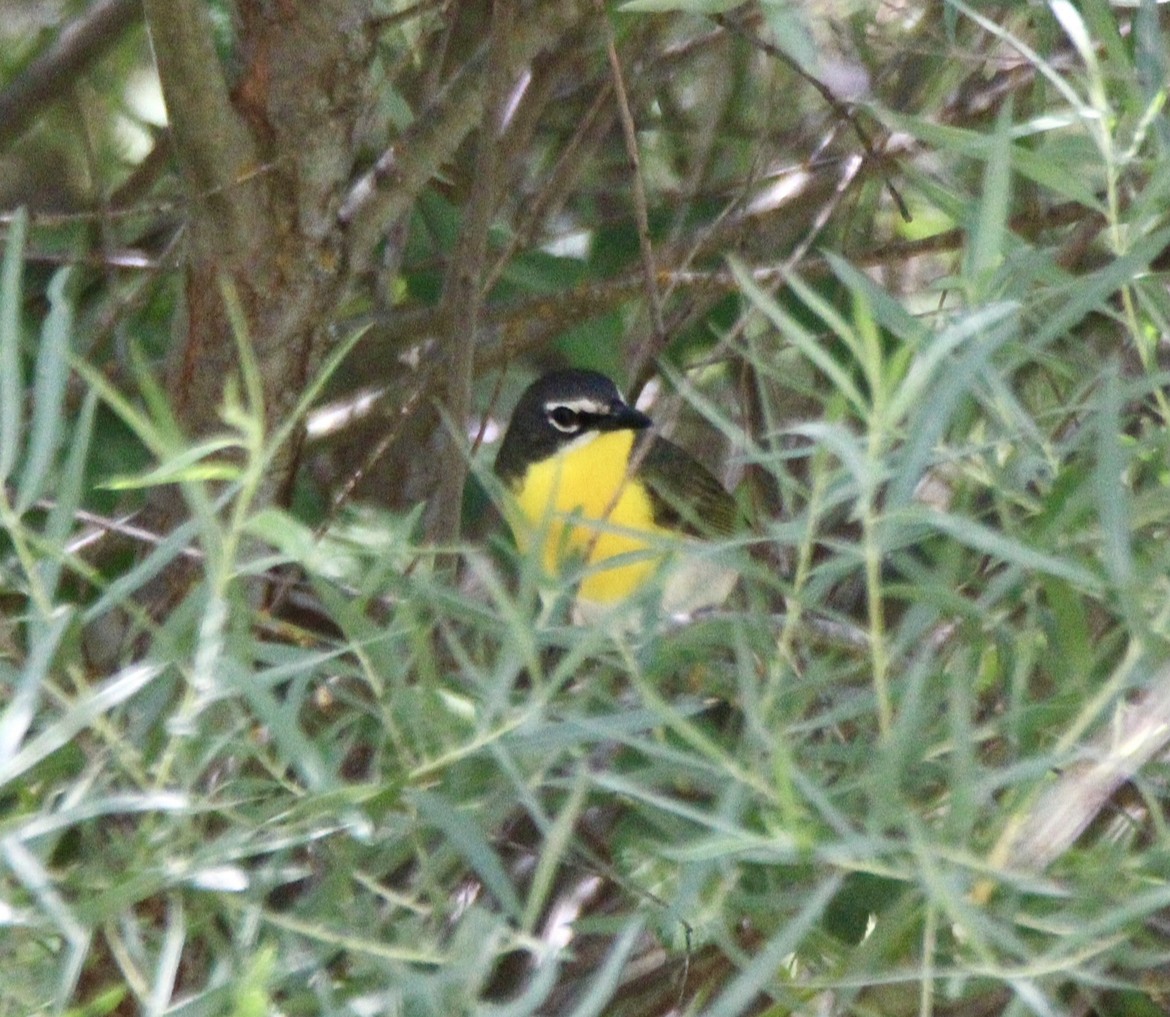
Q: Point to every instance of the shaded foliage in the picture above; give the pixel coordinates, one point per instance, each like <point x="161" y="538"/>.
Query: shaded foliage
<point x="287" y="725"/>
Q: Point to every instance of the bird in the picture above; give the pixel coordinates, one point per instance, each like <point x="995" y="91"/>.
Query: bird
<point x="589" y="485"/>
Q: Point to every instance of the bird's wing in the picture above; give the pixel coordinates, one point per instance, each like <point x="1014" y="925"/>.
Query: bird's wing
<point x="684" y="495"/>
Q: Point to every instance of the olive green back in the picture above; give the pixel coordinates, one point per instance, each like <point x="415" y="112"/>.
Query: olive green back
<point x="684" y="494"/>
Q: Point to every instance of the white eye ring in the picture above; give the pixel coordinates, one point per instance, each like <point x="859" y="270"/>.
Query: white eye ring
<point x="564" y="419"/>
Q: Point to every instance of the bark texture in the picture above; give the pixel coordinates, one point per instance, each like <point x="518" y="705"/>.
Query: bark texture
<point x="267" y="163"/>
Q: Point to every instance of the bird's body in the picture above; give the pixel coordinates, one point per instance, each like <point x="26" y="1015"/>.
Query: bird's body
<point x="593" y="487"/>
<point x="561" y="493"/>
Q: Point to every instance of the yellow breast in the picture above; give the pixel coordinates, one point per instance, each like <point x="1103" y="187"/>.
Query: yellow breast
<point x="582" y="507"/>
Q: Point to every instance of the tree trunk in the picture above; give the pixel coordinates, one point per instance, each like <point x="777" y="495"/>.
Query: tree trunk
<point x="267" y="164"/>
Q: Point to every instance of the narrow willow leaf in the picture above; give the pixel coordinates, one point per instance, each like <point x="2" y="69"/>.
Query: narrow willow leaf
<point x="1074" y="27"/>
<point x="11" y="386"/>
<point x="767" y="962"/>
<point x="931" y="402"/>
<point x="557" y="843"/>
<point x="887" y="311"/>
<point x="83" y="810"/>
<point x="249" y="365"/>
<point x="471" y="842"/>
<point x="27" y="868"/>
<point x="282" y="722"/>
<point x="1109" y="485"/>
<point x="178" y="541"/>
<point x="51" y="374"/>
<point x="923" y="374"/>
<point x="605" y="982"/>
<point x="985" y="252"/>
<point x="292" y="423"/>
<point x="686" y="6"/>
<point x="44" y="638"/>
<point x="1089" y="293"/>
<point x="999" y="545"/>
<point x="795" y="333"/>
<point x="190" y="464"/>
<point x="69" y="490"/>
<point x="76" y="718"/>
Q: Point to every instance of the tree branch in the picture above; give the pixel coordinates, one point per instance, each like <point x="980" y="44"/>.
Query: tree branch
<point x="216" y="153"/>
<point x="388" y="190"/>
<point x="53" y="73"/>
<point x="462" y="295"/>
<point x="648" y="350"/>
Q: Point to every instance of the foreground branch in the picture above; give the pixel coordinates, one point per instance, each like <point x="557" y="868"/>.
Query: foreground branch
<point x="52" y="75"/>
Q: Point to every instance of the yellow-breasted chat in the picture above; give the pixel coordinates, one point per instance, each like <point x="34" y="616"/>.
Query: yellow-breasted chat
<point x="592" y="487"/>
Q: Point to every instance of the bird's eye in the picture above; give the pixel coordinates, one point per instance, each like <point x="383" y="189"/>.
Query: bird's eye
<point x="565" y="419"/>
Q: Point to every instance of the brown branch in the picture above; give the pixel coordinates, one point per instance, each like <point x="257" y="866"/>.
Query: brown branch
<point x="593" y="126"/>
<point x="216" y="154"/>
<point x="52" y="74"/>
<point x="641" y="213"/>
<point x="844" y="111"/>
<point x="1131" y="735"/>
<point x="462" y="287"/>
<point x="389" y="189"/>
<point x="529" y="320"/>
<point x="542" y="206"/>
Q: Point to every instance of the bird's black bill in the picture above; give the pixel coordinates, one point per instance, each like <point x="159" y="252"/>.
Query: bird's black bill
<point x="621" y="418"/>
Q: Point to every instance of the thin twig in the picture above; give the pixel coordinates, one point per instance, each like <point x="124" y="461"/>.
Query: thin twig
<point x="390" y="188"/>
<point x="842" y="110"/>
<point x="641" y="215"/>
<point x="462" y="294"/>
<point x="405" y="411"/>
<point x="543" y="206"/>
<point x="52" y="75"/>
<point x="102" y="526"/>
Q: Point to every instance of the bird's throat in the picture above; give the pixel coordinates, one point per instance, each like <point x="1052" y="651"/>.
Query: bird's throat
<point x="583" y="508"/>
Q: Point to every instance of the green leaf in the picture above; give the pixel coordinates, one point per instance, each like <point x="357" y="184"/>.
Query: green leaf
<point x="999" y="545"/>
<point x="190" y="464"/>
<point x="800" y="337"/>
<point x="45" y="636"/>
<point x="11" y="377"/>
<point x="684" y="6"/>
<point x="1110" y="487"/>
<point x="73" y="720"/>
<point x="608" y="976"/>
<point x="765" y="965"/>
<point x="988" y="232"/>
<point x="929" y="396"/>
<point x="174" y="544"/>
<point x="69" y="491"/>
<point x="1089" y="293"/>
<point x="468" y="839"/>
<point x="280" y="718"/>
<point x="789" y="31"/>
<point x="51" y="374"/>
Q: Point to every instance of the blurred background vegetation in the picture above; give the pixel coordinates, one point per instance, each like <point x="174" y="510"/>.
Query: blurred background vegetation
<point x="284" y="726"/>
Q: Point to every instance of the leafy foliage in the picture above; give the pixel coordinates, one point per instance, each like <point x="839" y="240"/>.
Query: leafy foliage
<point x="916" y="766"/>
